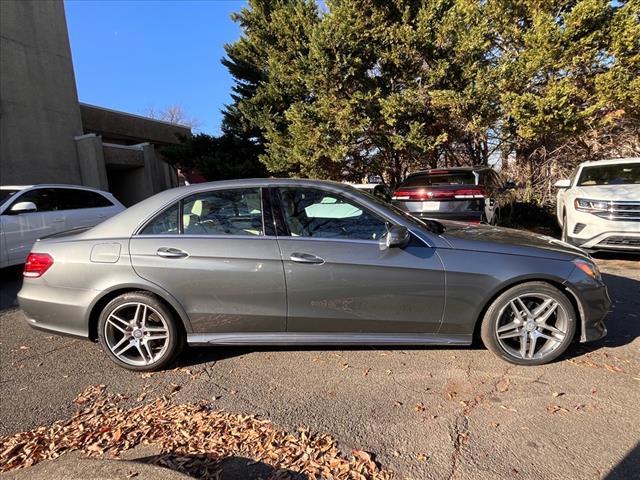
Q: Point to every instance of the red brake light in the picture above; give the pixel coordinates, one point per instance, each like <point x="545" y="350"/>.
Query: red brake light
<point x="37" y="264"/>
<point x="422" y="194"/>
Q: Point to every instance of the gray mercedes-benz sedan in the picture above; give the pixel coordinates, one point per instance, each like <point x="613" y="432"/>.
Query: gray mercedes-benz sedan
<point x="303" y="262"/>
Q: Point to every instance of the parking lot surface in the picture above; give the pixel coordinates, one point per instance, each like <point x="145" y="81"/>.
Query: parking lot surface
<point x="424" y="413"/>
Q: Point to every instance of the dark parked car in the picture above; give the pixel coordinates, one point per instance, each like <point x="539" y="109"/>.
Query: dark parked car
<point x="303" y="262"/>
<point x="467" y="194"/>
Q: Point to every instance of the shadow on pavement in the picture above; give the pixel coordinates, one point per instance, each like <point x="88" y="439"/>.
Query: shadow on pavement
<point x="231" y="468"/>
<point x="628" y="468"/>
<point x="10" y="283"/>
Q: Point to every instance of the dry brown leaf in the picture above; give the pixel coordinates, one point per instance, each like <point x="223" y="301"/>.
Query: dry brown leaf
<point x="192" y="439"/>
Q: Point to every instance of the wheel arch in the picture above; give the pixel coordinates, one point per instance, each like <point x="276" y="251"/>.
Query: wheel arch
<point x="107" y="295"/>
<point x="555" y="282"/>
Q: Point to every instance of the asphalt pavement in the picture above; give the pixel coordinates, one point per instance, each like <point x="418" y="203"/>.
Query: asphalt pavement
<point x="424" y="413"/>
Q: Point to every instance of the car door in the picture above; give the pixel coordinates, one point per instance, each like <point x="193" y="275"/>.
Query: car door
<point x="210" y="252"/>
<point x="21" y="230"/>
<point x="84" y="208"/>
<point x="340" y="280"/>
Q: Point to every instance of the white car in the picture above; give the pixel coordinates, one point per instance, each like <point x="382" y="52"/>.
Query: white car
<point x="28" y="213"/>
<point x="598" y="208"/>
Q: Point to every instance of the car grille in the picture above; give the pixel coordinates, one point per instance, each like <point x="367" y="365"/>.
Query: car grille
<point x="620" y="241"/>
<point x="626" y="211"/>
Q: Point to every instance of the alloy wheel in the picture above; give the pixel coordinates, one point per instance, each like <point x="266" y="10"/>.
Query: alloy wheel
<point x="532" y="326"/>
<point x="136" y="333"/>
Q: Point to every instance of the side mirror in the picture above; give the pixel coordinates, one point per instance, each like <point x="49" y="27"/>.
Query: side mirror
<point x="23" y="207"/>
<point x="396" y="237"/>
<point x="564" y="183"/>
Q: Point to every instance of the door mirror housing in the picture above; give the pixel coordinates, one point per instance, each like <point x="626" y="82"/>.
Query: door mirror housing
<point x="23" y="207"/>
<point x="564" y="183"/>
<point x="397" y="237"/>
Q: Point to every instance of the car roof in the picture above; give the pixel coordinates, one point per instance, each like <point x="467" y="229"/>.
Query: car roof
<point x="129" y="220"/>
<point x="478" y="168"/>
<point x="50" y="185"/>
<point x="611" y="161"/>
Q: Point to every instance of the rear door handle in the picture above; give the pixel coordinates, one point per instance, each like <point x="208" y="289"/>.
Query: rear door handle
<point x="306" y="258"/>
<point x="169" y="252"/>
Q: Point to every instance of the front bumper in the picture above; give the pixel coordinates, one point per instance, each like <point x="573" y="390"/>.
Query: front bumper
<point x="56" y="309"/>
<point x="593" y="301"/>
<point x="588" y="231"/>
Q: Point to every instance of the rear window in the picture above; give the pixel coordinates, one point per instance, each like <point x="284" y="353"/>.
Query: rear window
<point x="436" y="179"/>
<point x="620" y="174"/>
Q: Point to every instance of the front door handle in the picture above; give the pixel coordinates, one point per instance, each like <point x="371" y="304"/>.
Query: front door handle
<point x="169" y="252"/>
<point x="306" y="258"/>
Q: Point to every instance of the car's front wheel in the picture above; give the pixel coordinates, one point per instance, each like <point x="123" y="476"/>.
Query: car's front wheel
<point x="138" y="332"/>
<point x="530" y="324"/>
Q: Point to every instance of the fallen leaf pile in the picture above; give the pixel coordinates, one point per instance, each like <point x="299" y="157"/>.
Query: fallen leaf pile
<point x="192" y="438"/>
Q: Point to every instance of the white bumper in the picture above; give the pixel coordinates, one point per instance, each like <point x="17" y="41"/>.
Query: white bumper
<point x="601" y="233"/>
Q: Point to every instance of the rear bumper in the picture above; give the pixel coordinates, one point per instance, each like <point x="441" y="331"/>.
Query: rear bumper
<point x="460" y="210"/>
<point x="55" y="309"/>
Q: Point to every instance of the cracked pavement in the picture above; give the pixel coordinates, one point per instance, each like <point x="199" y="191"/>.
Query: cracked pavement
<point x="441" y="413"/>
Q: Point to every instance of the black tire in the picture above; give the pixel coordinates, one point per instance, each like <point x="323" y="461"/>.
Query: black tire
<point x="175" y="338"/>
<point x="565" y="232"/>
<point x="493" y="317"/>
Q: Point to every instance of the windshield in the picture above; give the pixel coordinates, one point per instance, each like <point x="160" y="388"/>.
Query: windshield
<point x="616" y="174"/>
<point x="5" y="194"/>
<point x="440" y="179"/>
<point x="431" y="225"/>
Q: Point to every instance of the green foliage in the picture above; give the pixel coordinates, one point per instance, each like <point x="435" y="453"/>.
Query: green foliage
<point x="386" y="87"/>
<point x="216" y="158"/>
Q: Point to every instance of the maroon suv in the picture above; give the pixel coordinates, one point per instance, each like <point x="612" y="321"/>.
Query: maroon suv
<point x="463" y="193"/>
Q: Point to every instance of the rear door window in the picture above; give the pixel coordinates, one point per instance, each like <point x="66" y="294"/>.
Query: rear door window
<point x="223" y="212"/>
<point x="440" y="179"/>
<point x="74" y="199"/>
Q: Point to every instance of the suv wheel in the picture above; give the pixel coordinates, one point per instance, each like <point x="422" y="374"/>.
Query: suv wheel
<point x="530" y="324"/>
<point x="138" y="332"/>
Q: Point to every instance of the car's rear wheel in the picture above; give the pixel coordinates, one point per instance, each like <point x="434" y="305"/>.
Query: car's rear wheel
<point x="530" y="324"/>
<point x="138" y="332"/>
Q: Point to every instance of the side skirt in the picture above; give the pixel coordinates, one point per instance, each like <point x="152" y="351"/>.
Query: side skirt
<point x="294" y="338"/>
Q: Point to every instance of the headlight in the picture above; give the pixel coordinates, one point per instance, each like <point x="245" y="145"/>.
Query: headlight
<point x="591" y="206"/>
<point x="589" y="268"/>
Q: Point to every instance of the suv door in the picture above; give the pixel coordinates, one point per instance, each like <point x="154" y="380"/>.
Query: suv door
<point x="210" y="252"/>
<point x="84" y="208"/>
<point x="23" y="229"/>
<point x="340" y="280"/>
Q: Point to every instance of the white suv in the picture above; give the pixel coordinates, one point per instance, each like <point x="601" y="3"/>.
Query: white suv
<point x="31" y="212"/>
<point x="598" y="208"/>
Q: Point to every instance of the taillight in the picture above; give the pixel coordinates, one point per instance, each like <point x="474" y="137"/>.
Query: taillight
<point x="37" y="264"/>
<point x="423" y="194"/>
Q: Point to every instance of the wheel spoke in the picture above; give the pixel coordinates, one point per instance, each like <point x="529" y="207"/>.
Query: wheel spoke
<point x="156" y="329"/>
<point x="523" y="306"/>
<point x="511" y="334"/>
<point x="549" y="337"/>
<point x="144" y="359"/>
<point x="523" y="344"/>
<point x="545" y="310"/>
<point x="552" y="329"/>
<point x="140" y="315"/>
<point x="509" y="326"/>
<point x="122" y="322"/>
<point x="532" y="344"/>
<point x="515" y="310"/>
<point x="114" y="325"/>
<point x="156" y="337"/>
<point x="124" y="349"/>
<point x="117" y="345"/>
<point x="148" y="349"/>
